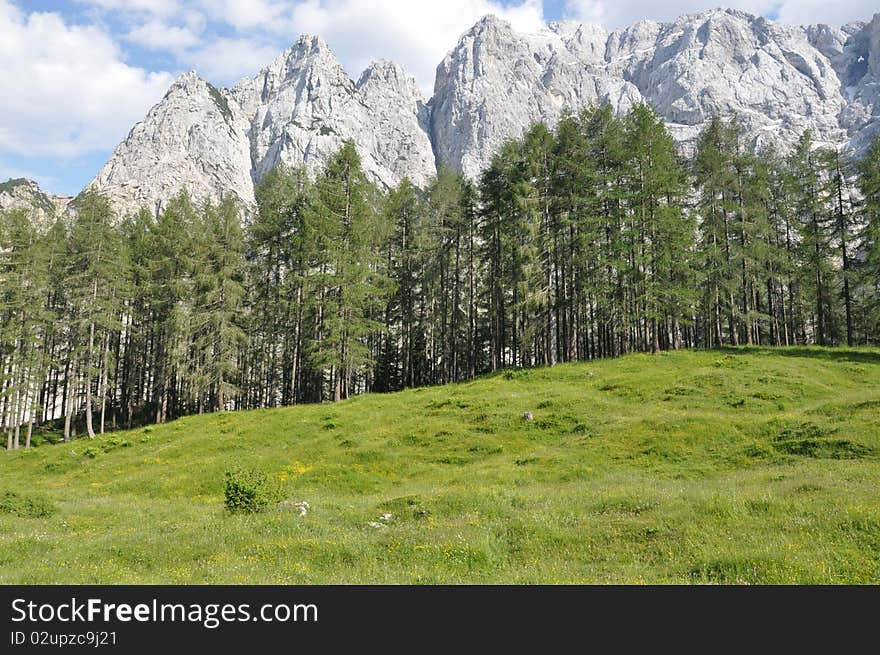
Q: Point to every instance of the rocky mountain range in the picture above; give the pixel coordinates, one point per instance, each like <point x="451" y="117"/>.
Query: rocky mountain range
<point x="21" y="193"/>
<point x="779" y="79"/>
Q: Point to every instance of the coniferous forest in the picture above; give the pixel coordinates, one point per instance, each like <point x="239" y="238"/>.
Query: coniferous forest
<point x="593" y="240"/>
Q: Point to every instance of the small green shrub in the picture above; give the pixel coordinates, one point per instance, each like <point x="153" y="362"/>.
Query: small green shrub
<point x="115" y="442"/>
<point x="31" y="506"/>
<point x="802" y="431"/>
<point x="107" y="446"/>
<point x="250" y="491"/>
<point x="824" y="448"/>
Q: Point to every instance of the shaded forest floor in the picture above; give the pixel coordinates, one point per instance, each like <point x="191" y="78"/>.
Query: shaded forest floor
<point x="734" y="466"/>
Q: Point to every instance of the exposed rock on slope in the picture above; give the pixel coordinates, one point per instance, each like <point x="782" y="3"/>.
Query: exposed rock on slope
<point x="401" y="144"/>
<point x="780" y="80"/>
<point x="303" y="107"/>
<point x="858" y="66"/>
<point x="27" y="194"/>
<point x="193" y="139"/>
<point x="497" y="82"/>
<point x="297" y="111"/>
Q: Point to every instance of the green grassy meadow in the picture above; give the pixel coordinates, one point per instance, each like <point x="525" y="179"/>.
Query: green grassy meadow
<point x="735" y="466"/>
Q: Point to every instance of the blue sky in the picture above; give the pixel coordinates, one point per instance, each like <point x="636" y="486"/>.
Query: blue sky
<point x="78" y="74"/>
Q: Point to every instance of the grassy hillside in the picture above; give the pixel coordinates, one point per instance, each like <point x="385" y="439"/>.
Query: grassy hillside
<point x="748" y="466"/>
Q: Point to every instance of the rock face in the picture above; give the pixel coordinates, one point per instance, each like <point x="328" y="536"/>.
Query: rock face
<point x="303" y="107"/>
<point x="193" y="139"/>
<point x="497" y="82"/>
<point x="780" y="80"/>
<point x="858" y="65"/>
<point x="297" y="111"/>
<point x="727" y="61"/>
<point x="26" y="194"/>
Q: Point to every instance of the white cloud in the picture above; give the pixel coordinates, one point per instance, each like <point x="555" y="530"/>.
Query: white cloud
<point x="154" y="7"/>
<point x="66" y="90"/>
<point x="272" y="15"/>
<point x="157" y="35"/>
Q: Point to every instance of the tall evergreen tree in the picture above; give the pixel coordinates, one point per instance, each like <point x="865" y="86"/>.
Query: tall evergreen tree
<point x="96" y="276"/>
<point x="218" y="319"/>
<point x="351" y="288"/>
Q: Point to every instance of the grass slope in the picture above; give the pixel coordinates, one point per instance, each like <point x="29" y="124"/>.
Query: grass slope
<point x="740" y="466"/>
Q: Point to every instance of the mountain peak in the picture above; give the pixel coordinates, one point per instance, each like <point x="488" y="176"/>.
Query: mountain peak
<point x="392" y="75"/>
<point x="309" y="46"/>
<point x="491" y="21"/>
<point x="23" y="193"/>
<point x="18" y="182"/>
<point x="489" y="27"/>
<point x="187" y="80"/>
<point x="308" y="53"/>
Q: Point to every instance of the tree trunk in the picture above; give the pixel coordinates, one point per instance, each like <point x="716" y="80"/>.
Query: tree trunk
<point x="89" y="359"/>
<point x="103" y="384"/>
<point x="69" y="392"/>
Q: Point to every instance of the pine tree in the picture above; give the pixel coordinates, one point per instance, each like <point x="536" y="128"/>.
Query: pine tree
<point x="25" y="324"/>
<point x="666" y="232"/>
<point x="578" y="240"/>
<point x="135" y="368"/>
<point x="278" y="247"/>
<point x="498" y="203"/>
<point x="170" y="252"/>
<point x="604" y="219"/>
<point x="806" y="172"/>
<point x="96" y="277"/>
<point x="351" y="289"/>
<point x="841" y="227"/>
<point x="538" y="337"/>
<point x="399" y="360"/>
<point x="219" y="301"/>
<point x="715" y="177"/>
